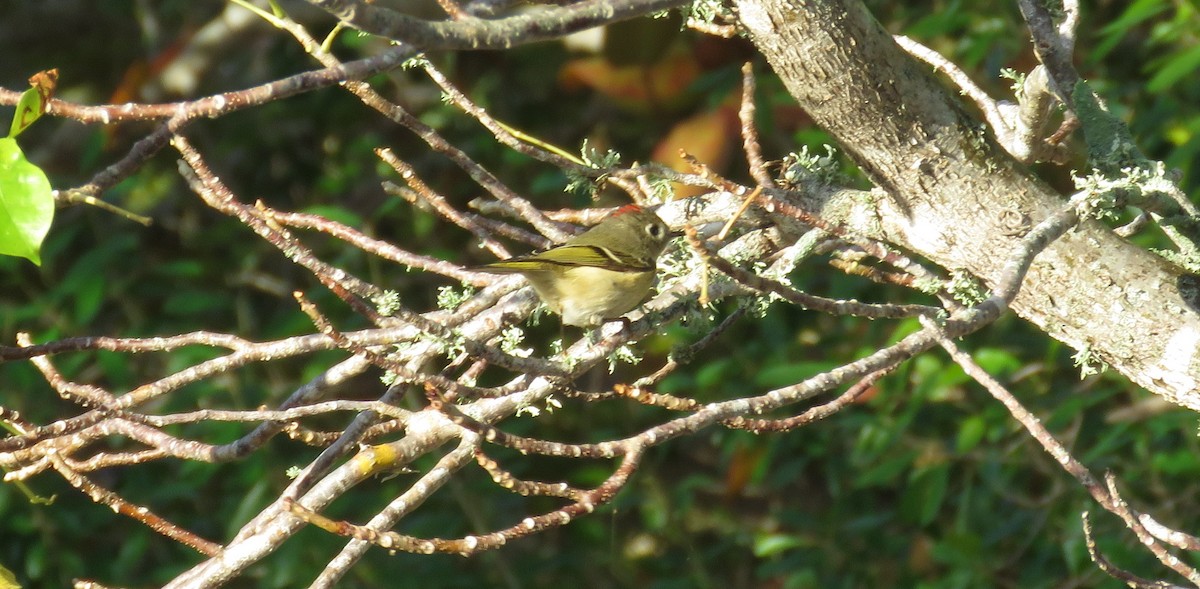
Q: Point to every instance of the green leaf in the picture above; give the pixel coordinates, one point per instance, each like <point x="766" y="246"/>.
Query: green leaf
<point x="997" y="361"/>
<point x="1134" y="14"/>
<point x="886" y="472"/>
<point x="787" y="374"/>
<point x="338" y="214"/>
<point x="924" y="494"/>
<point x="1179" y="66"/>
<point x="26" y="204"/>
<point x="712" y="374"/>
<point x="33" y="101"/>
<point x="970" y="433"/>
<point x="771" y="544"/>
<point x="29" y="108"/>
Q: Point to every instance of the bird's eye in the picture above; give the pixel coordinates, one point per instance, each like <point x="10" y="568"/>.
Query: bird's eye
<point x="656" y="230"/>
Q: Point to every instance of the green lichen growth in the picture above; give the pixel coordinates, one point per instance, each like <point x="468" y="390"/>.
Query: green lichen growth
<point x="1105" y="194"/>
<point x="1018" y="78"/>
<point x="584" y="185"/>
<point x="568" y="363"/>
<point x="802" y="166"/>
<point x="451" y="346"/>
<point x="387" y="302"/>
<point x="623" y="354"/>
<point x="707" y="11"/>
<point x="661" y="190"/>
<point x="928" y="285"/>
<point x="448" y="299"/>
<point x="1087" y="362"/>
<point x="417" y="61"/>
<point x="1189" y="262"/>
<point x="551" y="403"/>
<point x="510" y="341"/>
<point x="592" y="157"/>
<point x="965" y="288"/>
<point x="1111" y="148"/>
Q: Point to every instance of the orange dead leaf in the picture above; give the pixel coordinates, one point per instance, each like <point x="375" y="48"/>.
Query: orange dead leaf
<point x="707" y="136"/>
<point x="742" y="465"/>
<point x="636" y="87"/>
<point x="46" y="82"/>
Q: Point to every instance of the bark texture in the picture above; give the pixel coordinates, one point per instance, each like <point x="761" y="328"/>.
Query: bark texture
<point x="949" y="193"/>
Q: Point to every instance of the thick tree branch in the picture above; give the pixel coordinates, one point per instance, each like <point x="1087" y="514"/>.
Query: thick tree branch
<point x="951" y="194"/>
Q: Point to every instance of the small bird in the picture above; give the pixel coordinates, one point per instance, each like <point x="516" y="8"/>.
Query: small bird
<point x="600" y="274"/>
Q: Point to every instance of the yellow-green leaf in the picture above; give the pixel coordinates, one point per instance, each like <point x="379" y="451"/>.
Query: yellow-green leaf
<point x="7" y="579"/>
<point x="26" y="204"/>
<point x="33" y="102"/>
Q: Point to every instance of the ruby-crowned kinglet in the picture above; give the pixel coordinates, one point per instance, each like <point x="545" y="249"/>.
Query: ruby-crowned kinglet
<point x="600" y="274"/>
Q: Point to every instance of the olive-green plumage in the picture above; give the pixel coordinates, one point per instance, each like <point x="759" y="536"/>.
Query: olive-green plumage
<point x="600" y="274"/>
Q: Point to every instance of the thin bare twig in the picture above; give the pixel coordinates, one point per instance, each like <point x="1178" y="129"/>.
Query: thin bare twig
<point x="116" y="503"/>
<point x="804" y="300"/>
<point x="1106" y="495"/>
<point x="754" y="158"/>
<point x="475" y="34"/>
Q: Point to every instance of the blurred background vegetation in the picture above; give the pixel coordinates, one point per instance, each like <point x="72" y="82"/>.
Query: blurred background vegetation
<point x="928" y="483"/>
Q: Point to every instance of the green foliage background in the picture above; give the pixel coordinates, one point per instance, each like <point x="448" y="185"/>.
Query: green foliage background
<point x="929" y="484"/>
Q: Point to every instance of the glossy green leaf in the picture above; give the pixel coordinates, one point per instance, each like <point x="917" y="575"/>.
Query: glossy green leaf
<point x="26" y="204"/>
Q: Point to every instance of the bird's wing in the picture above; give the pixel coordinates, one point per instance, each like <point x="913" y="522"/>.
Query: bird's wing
<point x="571" y="255"/>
